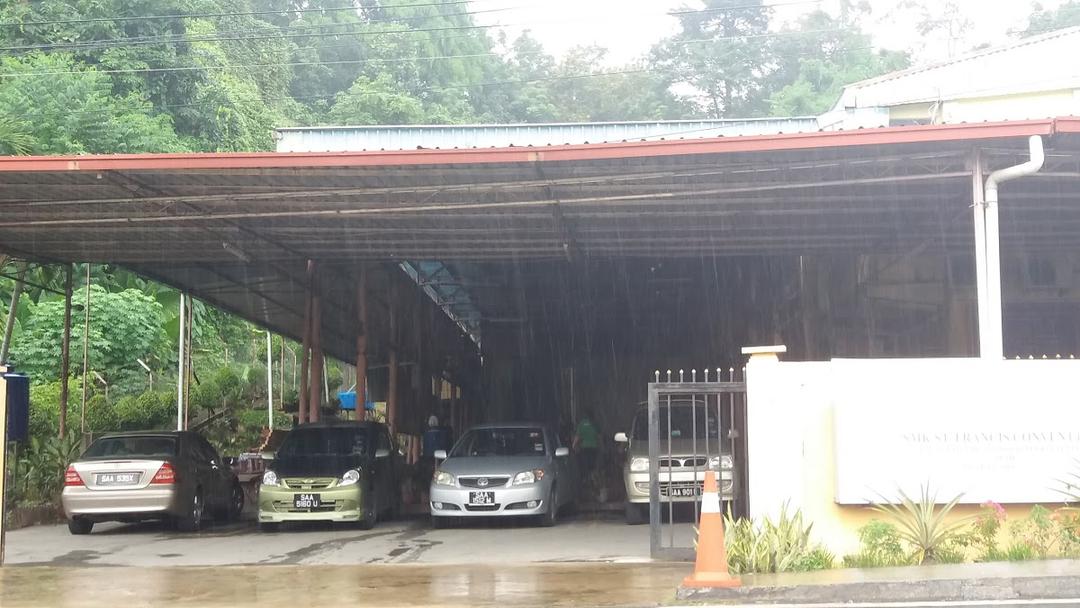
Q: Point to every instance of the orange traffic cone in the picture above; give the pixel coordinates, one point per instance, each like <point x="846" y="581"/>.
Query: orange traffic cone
<point x="711" y="569"/>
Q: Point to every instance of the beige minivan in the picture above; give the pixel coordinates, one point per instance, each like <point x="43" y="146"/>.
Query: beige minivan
<point x="683" y="461"/>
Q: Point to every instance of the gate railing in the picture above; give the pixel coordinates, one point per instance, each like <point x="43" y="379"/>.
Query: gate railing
<point x="694" y="426"/>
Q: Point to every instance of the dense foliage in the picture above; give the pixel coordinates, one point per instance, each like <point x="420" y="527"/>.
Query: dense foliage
<point x="167" y="75"/>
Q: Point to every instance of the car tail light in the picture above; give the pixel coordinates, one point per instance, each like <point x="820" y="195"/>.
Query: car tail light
<point x="72" y="478"/>
<point x="165" y="475"/>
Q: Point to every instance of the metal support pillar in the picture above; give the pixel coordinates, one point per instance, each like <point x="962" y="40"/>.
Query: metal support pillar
<point x="361" y="344"/>
<point x="315" y="381"/>
<point x="3" y="459"/>
<point x="392" y="371"/>
<point x="978" y="208"/>
<point x="305" y="350"/>
<point x="65" y="351"/>
<point x="86" y="356"/>
<point x="181" y="372"/>
<point x="269" y="382"/>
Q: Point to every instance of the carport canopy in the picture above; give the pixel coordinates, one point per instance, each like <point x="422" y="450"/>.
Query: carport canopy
<point x="237" y="229"/>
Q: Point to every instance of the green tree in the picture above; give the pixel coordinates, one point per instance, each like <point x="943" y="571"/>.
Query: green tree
<point x="374" y="102"/>
<point x="819" y="56"/>
<point x="629" y="92"/>
<point x="722" y="54"/>
<point x="1044" y="20"/>
<point x="124" y="326"/>
<point x="64" y="107"/>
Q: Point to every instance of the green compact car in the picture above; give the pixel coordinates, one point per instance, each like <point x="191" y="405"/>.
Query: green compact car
<point x="337" y="471"/>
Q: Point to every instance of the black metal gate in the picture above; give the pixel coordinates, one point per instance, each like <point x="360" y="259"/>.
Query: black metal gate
<point x="697" y="423"/>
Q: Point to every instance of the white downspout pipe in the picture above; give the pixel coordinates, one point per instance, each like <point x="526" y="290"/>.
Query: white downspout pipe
<point x="991" y="341"/>
<point x="181" y="369"/>
<point x="269" y="383"/>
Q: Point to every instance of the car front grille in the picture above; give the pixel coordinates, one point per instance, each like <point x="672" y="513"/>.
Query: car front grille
<point x="482" y="507"/>
<point x="479" y="482"/>
<point x="286" y="506"/>
<point x="307" y="483"/>
<point x="684" y="463"/>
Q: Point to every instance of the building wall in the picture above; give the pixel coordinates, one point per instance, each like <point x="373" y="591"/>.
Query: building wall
<point x="797" y="454"/>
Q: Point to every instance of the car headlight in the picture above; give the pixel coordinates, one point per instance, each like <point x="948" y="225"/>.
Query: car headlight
<point x="639" y="464"/>
<point x="527" y="477"/>
<point x="442" y="478"/>
<point x="270" y="478"/>
<point x="721" y="462"/>
<point x="349" y="478"/>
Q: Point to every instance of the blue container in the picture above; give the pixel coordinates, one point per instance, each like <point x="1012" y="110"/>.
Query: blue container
<point x="347" y="399"/>
<point x="18" y="407"/>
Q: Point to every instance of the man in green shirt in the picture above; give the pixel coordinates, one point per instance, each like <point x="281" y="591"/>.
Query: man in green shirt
<point x="587" y="444"/>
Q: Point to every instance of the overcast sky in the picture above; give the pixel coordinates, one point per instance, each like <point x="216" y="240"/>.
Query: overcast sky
<point x="628" y="28"/>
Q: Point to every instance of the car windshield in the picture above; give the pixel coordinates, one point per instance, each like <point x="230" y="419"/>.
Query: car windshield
<point x="501" y="442"/>
<point x="682" y="422"/>
<point x="325" y="441"/>
<point x="141" y="446"/>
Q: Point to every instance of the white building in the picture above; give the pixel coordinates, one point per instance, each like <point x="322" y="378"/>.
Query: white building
<point x="1032" y="78"/>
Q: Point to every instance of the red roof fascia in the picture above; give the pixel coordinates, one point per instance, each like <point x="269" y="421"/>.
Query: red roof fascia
<point x="637" y="149"/>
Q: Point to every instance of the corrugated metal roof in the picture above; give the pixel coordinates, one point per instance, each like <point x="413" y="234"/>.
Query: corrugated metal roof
<point x="411" y="137"/>
<point x="1036" y="63"/>
<point x="182" y="218"/>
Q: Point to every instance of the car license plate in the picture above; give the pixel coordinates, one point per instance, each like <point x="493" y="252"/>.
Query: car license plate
<point x="117" y="479"/>
<point x="481" y="498"/>
<point x="307" y="501"/>
<point x="684" y="492"/>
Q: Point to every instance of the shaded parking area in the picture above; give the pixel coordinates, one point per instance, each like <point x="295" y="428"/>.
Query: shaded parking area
<point x="548" y="285"/>
<point x="582" y="538"/>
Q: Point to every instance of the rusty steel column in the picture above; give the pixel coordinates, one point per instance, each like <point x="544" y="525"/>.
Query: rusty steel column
<point x="305" y="360"/>
<point x="392" y="364"/>
<point x="65" y="352"/>
<point x="361" y="344"/>
<point x="317" y="363"/>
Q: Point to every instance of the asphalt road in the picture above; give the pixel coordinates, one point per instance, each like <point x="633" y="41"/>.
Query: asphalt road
<point x="581" y="538"/>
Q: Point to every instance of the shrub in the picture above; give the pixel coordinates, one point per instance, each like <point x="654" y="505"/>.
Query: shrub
<point x="1033" y="537"/>
<point x="1068" y="519"/>
<point x="780" y="546"/>
<point x="984" y="531"/>
<point x="148" y="411"/>
<point x="40" y="470"/>
<point x="880" y="547"/>
<point x="922" y="524"/>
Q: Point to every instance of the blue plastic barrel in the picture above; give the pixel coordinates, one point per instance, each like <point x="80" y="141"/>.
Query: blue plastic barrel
<point x="347" y="400"/>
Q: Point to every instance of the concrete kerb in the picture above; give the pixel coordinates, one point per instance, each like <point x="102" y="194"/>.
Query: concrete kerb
<point x="934" y="590"/>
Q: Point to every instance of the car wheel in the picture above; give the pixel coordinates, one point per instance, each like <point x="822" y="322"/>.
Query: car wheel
<point x="551" y="518"/>
<point x="269" y="526"/>
<point x="80" y="526"/>
<point x="191" y="521"/>
<point x="636" y="514"/>
<point x="236" y="502"/>
<point x="371" y="513"/>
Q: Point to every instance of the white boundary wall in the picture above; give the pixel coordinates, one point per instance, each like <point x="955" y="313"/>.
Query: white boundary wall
<point x="827" y="437"/>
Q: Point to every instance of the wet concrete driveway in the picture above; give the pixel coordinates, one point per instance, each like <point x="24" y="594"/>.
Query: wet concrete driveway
<point x="592" y="538"/>
<point x="590" y="584"/>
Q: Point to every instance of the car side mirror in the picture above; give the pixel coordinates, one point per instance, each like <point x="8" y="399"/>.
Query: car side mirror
<point x="562" y="452"/>
<point x="267" y="455"/>
<point x="621" y="438"/>
<point x="440" y="454"/>
<point x="382" y="453"/>
<point x="230" y="461"/>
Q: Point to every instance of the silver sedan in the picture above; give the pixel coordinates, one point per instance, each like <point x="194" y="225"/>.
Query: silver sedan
<point x="503" y="470"/>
